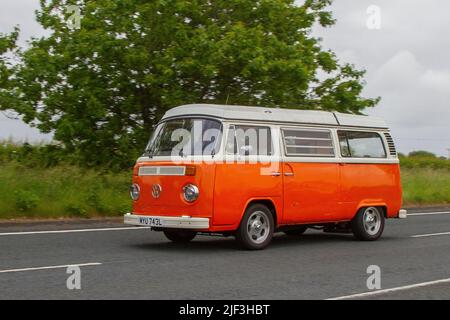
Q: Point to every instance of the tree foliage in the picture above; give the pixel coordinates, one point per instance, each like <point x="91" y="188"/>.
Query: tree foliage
<point x="8" y="49"/>
<point x="102" y="88"/>
<point x="422" y="153"/>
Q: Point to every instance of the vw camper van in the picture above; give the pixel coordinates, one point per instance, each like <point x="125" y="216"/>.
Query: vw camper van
<point x="249" y="172"/>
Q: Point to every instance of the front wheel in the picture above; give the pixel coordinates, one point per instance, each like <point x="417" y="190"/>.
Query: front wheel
<point x="368" y="224"/>
<point x="180" y="236"/>
<point x="256" y="229"/>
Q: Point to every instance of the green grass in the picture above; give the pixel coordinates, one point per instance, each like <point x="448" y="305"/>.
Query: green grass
<point x="61" y="191"/>
<point x="69" y="191"/>
<point x="426" y="186"/>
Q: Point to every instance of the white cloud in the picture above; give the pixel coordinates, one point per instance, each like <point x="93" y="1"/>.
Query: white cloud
<point x="407" y="65"/>
<point x="436" y="80"/>
<point x="398" y="73"/>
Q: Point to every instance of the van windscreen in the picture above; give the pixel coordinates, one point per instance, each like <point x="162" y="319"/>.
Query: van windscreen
<point x="185" y="137"/>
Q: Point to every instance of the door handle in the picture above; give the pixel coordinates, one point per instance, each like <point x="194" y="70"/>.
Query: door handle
<point x="288" y="174"/>
<point x="275" y="174"/>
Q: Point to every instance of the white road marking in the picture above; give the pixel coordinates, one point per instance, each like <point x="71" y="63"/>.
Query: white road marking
<point x="71" y="231"/>
<point x="431" y="235"/>
<point x="427" y="213"/>
<point x="52" y="267"/>
<point x="403" y="288"/>
<point x="140" y="228"/>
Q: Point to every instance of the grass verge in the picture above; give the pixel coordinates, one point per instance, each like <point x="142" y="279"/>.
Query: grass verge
<point x="72" y="192"/>
<point x="426" y="186"/>
<point x="61" y="191"/>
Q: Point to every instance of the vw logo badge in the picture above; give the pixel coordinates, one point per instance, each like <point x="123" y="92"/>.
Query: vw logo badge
<point x="156" y="191"/>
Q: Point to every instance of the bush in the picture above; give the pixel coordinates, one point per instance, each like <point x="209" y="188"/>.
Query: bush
<point x="77" y="210"/>
<point x="424" y="162"/>
<point x="422" y="154"/>
<point x="51" y="155"/>
<point x="95" y="201"/>
<point x="26" y="200"/>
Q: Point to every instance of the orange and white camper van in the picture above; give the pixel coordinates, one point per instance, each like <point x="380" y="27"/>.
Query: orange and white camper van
<point x="249" y="172"/>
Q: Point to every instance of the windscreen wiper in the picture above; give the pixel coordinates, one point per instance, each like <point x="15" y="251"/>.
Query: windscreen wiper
<point x="148" y="153"/>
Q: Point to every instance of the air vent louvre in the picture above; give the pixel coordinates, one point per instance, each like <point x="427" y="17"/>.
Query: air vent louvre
<point x="391" y="144"/>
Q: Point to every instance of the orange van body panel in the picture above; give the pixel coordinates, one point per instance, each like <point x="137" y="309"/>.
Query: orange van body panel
<point x="315" y="193"/>
<point x="311" y="192"/>
<point x="364" y="185"/>
<point x="171" y="202"/>
<point x="237" y="184"/>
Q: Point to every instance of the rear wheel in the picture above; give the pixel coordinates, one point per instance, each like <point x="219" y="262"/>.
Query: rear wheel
<point x="368" y="224"/>
<point x="180" y="236"/>
<point x="256" y="229"/>
<point x="296" y="232"/>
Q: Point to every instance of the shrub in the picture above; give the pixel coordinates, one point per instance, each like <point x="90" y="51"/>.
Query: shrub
<point x="77" y="210"/>
<point x="95" y="201"/>
<point x="421" y="153"/>
<point x="26" y="200"/>
<point x="416" y="162"/>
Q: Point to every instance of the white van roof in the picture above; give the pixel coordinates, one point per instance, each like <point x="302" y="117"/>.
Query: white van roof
<point x="276" y="115"/>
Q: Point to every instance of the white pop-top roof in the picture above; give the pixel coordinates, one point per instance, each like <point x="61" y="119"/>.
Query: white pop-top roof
<point x="276" y="115"/>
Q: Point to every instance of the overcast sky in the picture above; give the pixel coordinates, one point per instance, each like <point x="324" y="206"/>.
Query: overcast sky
<point x="406" y="58"/>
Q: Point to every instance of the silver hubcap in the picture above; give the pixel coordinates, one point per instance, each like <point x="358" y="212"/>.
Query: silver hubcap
<point x="372" y="221"/>
<point x="258" y="227"/>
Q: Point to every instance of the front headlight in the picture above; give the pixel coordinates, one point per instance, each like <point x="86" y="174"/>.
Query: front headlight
<point x="135" y="192"/>
<point x="190" y="192"/>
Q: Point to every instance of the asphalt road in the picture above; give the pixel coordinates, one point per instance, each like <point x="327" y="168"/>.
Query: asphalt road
<point x="413" y="256"/>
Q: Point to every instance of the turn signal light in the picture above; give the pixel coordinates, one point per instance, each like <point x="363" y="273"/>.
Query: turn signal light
<point x="190" y="171"/>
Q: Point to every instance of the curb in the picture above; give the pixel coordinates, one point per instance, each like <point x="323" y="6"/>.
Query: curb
<point x="60" y="221"/>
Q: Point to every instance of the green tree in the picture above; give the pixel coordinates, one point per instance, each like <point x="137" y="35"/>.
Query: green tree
<point x="8" y="49"/>
<point x="7" y="45"/>
<point x="102" y="88"/>
<point x="422" y="153"/>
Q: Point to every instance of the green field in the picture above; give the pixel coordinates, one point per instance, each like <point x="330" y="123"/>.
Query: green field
<point x="70" y="191"/>
<point x="62" y="191"/>
<point x="426" y="186"/>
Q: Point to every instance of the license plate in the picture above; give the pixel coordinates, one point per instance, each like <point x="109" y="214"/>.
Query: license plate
<point x="148" y="221"/>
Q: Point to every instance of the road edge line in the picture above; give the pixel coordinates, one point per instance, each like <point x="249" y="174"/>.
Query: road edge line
<point x="395" y="289"/>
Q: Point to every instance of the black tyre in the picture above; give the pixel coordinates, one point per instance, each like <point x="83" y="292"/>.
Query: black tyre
<point x="180" y="236"/>
<point x="296" y="232"/>
<point x="368" y="224"/>
<point x="256" y="229"/>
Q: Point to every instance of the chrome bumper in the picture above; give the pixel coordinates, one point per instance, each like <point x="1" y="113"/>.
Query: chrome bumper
<point x="183" y="222"/>
<point x="402" y="214"/>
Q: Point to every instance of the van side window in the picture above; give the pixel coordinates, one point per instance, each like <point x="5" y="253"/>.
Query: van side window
<point x="308" y="143"/>
<point x="357" y="144"/>
<point x="343" y="144"/>
<point x="249" y="140"/>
